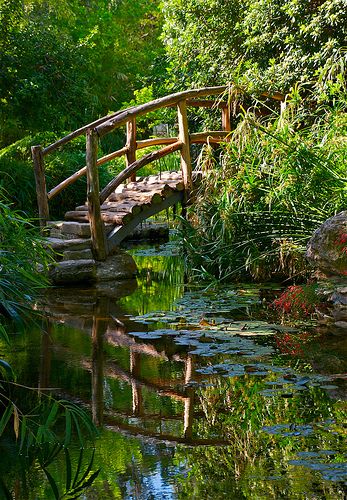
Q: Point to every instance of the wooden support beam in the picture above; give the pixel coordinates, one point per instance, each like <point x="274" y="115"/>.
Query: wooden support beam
<point x="80" y="173"/>
<point x="155" y="141"/>
<point x="97" y="229"/>
<point x="226" y="122"/>
<point x="214" y="136"/>
<point x="40" y="181"/>
<point x="162" y="102"/>
<point x="131" y="145"/>
<point x="206" y="103"/>
<point x="183" y="137"/>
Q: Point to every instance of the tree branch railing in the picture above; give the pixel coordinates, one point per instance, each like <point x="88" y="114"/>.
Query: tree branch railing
<point x="107" y="124"/>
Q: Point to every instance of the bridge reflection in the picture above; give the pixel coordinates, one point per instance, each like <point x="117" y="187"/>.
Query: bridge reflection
<point x="143" y="388"/>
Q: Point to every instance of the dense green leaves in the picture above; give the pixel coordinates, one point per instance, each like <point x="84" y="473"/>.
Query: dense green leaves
<point x="274" y="183"/>
<point x="64" y="63"/>
<point x="269" y="44"/>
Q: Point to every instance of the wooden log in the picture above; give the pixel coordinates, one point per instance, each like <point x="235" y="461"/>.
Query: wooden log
<point x="159" y="187"/>
<point x="183" y="136"/>
<point x="67" y="182"/>
<point x="206" y="103"/>
<point x="80" y="131"/>
<point x="41" y="190"/>
<point x="143" y="198"/>
<point x="74" y="177"/>
<point x="131" y="145"/>
<point x="109" y="122"/>
<point x="155" y="155"/>
<point x="118" y="218"/>
<point x="162" y="102"/>
<point x="226" y="123"/>
<point x="131" y="207"/>
<point x="124" y="208"/>
<point x="97" y="229"/>
<point x="156" y="141"/>
<point x="211" y="137"/>
<point x="162" y="188"/>
<point x="171" y="175"/>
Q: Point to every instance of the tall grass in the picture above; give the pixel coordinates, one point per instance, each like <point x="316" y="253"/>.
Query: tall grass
<point x="265" y="192"/>
<point x="35" y="433"/>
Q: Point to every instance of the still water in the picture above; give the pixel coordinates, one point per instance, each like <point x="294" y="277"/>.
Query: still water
<point x="200" y="394"/>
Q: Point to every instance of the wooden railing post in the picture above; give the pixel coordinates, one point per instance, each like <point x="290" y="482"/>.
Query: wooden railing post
<point x="40" y="181"/>
<point x="226" y="122"/>
<point x="131" y="145"/>
<point x="97" y="229"/>
<point x="183" y="136"/>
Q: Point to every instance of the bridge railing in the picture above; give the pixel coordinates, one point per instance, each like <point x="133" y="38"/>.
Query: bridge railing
<point x="127" y="117"/>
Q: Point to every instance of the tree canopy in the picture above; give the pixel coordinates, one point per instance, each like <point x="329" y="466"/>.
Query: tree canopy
<point x="64" y="63"/>
<point x="267" y="44"/>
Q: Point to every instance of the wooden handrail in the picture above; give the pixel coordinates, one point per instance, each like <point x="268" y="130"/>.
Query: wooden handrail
<point x="78" y="132"/>
<point x="167" y="101"/>
<point x="196" y="138"/>
<point x="156" y="141"/>
<point x="162" y="102"/>
<point x="206" y="103"/>
<point x="80" y="173"/>
<point x="214" y="136"/>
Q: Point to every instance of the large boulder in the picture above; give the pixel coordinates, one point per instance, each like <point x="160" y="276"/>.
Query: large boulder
<point x="327" y="249"/>
<point x="118" y="266"/>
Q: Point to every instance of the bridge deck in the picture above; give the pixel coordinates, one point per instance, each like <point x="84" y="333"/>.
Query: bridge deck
<point x="132" y="203"/>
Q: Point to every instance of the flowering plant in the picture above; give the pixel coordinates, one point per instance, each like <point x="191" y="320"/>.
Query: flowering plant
<point x="297" y="300"/>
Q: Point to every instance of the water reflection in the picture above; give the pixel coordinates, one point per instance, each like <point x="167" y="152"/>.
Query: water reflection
<point x="193" y="395"/>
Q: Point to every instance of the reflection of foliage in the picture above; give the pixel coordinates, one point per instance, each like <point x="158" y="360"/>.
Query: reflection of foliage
<point x="292" y="344"/>
<point x="157" y="278"/>
<point x="38" y="431"/>
<point x="257" y="461"/>
<point x="33" y="427"/>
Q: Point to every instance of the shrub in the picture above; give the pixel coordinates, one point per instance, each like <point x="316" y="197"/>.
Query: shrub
<point x="272" y="185"/>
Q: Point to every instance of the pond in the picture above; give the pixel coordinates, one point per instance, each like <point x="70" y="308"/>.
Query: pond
<point x="199" y="393"/>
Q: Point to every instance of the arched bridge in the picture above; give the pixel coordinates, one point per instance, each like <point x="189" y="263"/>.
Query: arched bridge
<point x="116" y="209"/>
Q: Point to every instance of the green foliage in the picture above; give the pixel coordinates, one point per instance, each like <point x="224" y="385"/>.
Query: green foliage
<point x="21" y="253"/>
<point x="273" y="185"/>
<point x="63" y="63"/>
<point x="36" y="425"/>
<point x="266" y="44"/>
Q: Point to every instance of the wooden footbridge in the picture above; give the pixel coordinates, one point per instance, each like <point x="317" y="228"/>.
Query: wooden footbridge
<point x="116" y="209"/>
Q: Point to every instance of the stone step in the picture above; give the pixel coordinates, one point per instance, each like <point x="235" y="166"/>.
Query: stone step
<point x="61" y="245"/>
<point x="70" y="230"/>
<point x="73" y="271"/>
<point x="83" y="254"/>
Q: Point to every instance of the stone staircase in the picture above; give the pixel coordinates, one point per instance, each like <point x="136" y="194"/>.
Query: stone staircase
<point x="124" y="214"/>
<point x="74" y="263"/>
